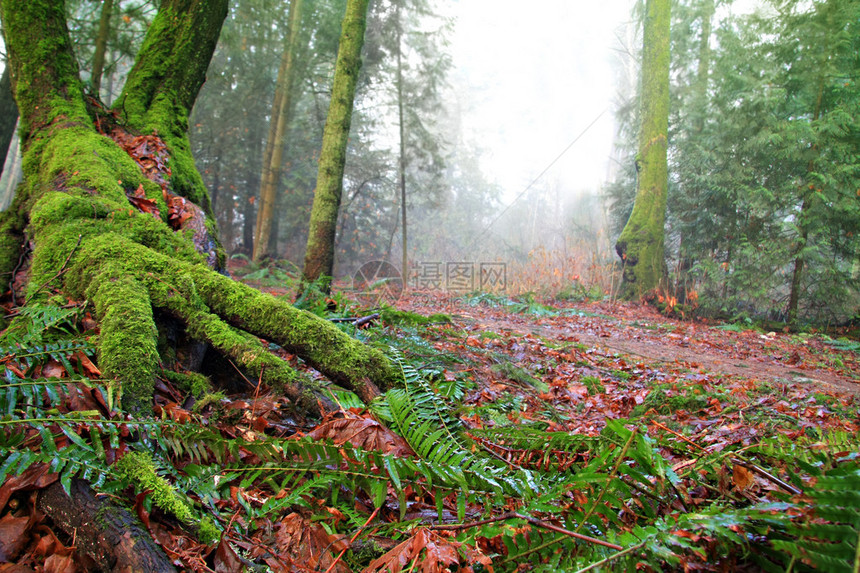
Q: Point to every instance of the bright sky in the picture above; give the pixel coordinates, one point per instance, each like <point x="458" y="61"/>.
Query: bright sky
<point x="536" y="74"/>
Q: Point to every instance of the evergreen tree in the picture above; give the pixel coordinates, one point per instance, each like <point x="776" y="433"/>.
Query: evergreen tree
<point x="641" y="243"/>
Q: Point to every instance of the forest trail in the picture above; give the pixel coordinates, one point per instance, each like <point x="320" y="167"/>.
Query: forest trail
<point x="640" y="333"/>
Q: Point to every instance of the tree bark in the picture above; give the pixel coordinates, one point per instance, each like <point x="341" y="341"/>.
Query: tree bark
<point x="113" y="537"/>
<point x="281" y="113"/>
<point x="319" y="254"/>
<point x="641" y="243"/>
<point x="90" y="242"/>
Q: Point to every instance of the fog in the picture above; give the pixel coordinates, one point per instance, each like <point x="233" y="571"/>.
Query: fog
<point x="535" y="79"/>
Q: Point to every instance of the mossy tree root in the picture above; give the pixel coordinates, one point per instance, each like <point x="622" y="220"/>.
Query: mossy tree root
<point x="125" y="280"/>
<point x="128" y="262"/>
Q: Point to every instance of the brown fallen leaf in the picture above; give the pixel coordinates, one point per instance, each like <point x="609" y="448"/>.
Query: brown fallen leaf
<point x="309" y="544"/>
<point x="37" y="476"/>
<point x="14" y="536"/>
<point x="432" y="553"/>
<point x="226" y="560"/>
<point x="90" y="369"/>
<point x="58" y="563"/>
<point x="362" y="432"/>
<point x="742" y="477"/>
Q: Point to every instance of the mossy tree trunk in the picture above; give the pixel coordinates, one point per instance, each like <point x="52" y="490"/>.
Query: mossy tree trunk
<point x="319" y="254"/>
<point x="91" y="242"/>
<point x="640" y="245"/>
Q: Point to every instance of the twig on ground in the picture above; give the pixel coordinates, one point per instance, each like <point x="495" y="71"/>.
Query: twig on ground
<point x="359" y="321"/>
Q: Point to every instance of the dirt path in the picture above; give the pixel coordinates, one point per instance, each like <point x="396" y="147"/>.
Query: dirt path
<point x="640" y="332"/>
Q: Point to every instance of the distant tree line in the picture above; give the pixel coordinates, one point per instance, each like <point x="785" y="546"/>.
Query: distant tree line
<point x="763" y="213"/>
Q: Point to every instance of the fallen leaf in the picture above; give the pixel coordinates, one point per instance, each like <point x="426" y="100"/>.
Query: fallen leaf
<point x="309" y="543"/>
<point x="226" y="560"/>
<point x="57" y="563"/>
<point x="742" y="477"/>
<point x="13" y="536"/>
<point x="37" y="476"/>
<point x="364" y="433"/>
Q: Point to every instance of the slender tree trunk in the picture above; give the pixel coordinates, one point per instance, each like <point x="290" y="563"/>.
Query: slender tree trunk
<point x="12" y="173"/>
<point x="101" y="47"/>
<point x="319" y="254"/>
<point x="404" y="268"/>
<point x="281" y="112"/>
<point x="641" y="243"/>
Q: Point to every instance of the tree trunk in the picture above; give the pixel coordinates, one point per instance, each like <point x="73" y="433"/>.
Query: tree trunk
<point x="281" y="112"/>
<point x="112" y="536"/>
<point x="319" y="254"/>
<point x="640" y="245"/>
<point x="404" y="268"/>
<point x="101" y="47"/>
<point x="121" y="217"/>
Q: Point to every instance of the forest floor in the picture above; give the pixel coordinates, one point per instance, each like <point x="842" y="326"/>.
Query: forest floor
<point x="727" y="404"/>
<point x="638" y="332"/>
<point x="592" y="360"/>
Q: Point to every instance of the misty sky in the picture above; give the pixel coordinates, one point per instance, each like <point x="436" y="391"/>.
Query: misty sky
<point x="535" y="75"/>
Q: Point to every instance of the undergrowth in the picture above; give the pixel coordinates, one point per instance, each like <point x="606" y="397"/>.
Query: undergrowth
<point x="448" y="492"/>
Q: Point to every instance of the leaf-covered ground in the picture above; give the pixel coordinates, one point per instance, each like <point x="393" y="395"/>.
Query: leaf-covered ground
<point x="527" y="436"/>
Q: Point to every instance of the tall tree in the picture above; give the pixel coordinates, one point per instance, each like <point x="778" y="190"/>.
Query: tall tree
<point x="123" y="220"/>
<point x="640" y="245"/>
<point x="282" y="106"/>
<point x="319" y="254"/>
<point x="401" y="128"/>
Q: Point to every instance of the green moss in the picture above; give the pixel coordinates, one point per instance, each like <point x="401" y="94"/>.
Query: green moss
<point x="206" y="400"/>
<point x="195" y="384"/>
<point x="138" y="470"/>
<point x="341" y="358"/>
<point x="391" y="315"/>
<point x="127" y="349"/>
<point x="208" y="531"/>
<point x="593" y="385"/>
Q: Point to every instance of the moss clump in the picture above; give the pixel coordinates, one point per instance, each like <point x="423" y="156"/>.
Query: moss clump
<point x="195" y="384"/>
<point x="593" y="385"/>
<point x="391" y="315"/>
<point x="137" y="469"/>
<point x="208" y="532"/>
<point x="127" y="348"/>
<point x="668" y="399"/>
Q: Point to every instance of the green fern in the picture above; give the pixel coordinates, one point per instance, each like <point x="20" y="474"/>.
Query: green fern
<point x="827" y="535"/>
